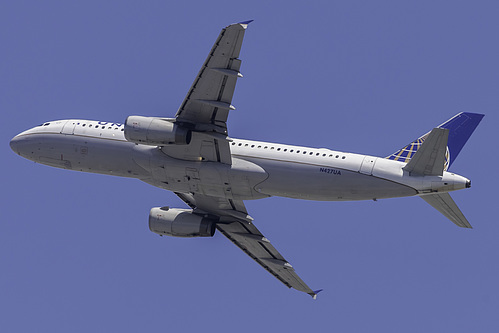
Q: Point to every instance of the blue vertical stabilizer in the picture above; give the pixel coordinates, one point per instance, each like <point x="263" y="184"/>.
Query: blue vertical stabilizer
<point x="460" y="127"/>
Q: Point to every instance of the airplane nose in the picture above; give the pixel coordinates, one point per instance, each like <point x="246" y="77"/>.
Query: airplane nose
<point x="22" y="145"/>
<point x="15" y="143"/>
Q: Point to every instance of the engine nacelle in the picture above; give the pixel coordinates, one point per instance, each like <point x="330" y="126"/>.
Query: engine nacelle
<point x="155" y="131"/>
<point x="180" y="223"/>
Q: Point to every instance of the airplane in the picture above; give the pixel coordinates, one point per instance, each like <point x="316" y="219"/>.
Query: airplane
<point x="193" y="156"/>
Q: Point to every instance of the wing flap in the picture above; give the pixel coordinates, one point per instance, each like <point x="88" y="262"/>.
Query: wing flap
<point x="212" y="147"/>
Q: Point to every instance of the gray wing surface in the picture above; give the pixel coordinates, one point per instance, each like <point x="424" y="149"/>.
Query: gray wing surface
<point x="209" y="99"/>
<point x="206" y="107"/>
<point x="238" y="227"/>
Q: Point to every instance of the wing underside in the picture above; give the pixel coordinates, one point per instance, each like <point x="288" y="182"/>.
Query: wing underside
<point x="209" y="100"/>
<point x="249" y="239"/>
<point x="206" y="107"/>
<point x="444" y="204"/>
<point x="238" y="227"/>
<point x="204" y="111"/>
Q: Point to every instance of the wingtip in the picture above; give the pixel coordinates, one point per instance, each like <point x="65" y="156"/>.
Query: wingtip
<point x="246" y="22"/>
<point x="240" y="25"/>
<point x="314" y="294"/>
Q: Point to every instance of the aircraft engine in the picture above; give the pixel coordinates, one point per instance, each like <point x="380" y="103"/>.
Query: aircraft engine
<point x="180" y="223"/>
<point x="155" y="131"/>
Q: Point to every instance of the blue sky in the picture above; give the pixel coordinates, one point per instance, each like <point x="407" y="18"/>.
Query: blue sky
<point x="367" y="77"/>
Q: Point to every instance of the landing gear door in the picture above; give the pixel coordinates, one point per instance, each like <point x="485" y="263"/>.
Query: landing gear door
<point x="368" y="165"/>
<point x="192" y="178"/>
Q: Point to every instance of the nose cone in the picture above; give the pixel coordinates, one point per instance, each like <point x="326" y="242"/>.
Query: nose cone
<point x="15" y="143"/>
<point x="23" y="145"/>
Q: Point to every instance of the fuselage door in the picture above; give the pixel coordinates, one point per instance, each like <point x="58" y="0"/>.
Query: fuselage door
<point x="69" y="127"/>
<point x="368" y="165"/>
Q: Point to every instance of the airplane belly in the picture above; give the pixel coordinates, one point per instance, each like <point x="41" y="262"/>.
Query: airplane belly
<point x="313" y="182"/>
<point x="235" y="181"/>
<point x="111" y="157"/>
<point x="86" y="154"/>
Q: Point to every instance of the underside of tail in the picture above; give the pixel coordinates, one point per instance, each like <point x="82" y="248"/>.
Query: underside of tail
<point x="460" y="127"/>
<point x="445" y="205"/>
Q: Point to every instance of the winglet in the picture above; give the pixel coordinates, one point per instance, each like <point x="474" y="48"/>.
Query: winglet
<point x="239" y="25"/>
<point x="315" y="292"/>
<point x="246" y="22"/>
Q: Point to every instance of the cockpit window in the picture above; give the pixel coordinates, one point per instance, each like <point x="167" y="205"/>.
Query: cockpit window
<point x="46" y="124"/>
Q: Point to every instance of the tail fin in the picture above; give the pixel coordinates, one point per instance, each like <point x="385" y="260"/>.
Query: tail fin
<point x="460" y="127"/>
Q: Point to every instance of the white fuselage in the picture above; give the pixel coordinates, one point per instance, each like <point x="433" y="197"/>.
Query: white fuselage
<point x="258" y="170"/>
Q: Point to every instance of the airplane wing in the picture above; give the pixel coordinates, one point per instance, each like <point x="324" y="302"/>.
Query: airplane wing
<point x="206" y="107"/>
<point x="209" y="99"/>
<point x="205" y="110"/>
<point x="238" y="227"/>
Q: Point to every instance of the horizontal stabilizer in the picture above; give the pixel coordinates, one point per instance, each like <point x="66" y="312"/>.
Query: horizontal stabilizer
<point x="429" y="159"/>
<point x="444" y="204"/>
